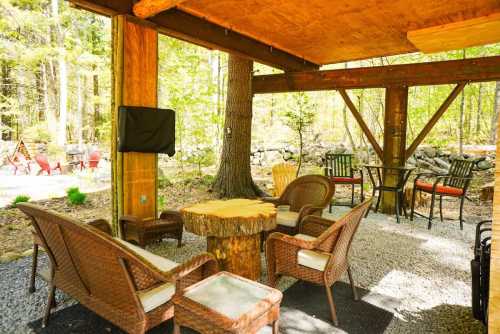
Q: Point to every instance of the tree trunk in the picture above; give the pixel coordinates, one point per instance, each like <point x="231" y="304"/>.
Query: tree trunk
<point x="79" y="110"/>
<point x="97" y="108"/>
<point x="6" y="119"/>
<point x="479" y="110"/>
<point x="63" y="75"/>
<point x="462" y="114"/>
<point x="234" y="177"/>
<point x="496" y="112"/>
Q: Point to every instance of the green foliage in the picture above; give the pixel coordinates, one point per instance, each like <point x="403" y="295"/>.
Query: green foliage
<point x="207" y="180"/>
<point x="76" y="197"/>
<point x="164" y="182"/>
<point x="20" y="199"/>
<point x="161" y="202"/>
<point x="201" y="156"/>
<point x="72" y="190"/>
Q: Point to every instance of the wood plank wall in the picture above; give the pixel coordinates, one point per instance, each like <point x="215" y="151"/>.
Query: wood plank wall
<point x="494" y="303"/>
<point x="135" y="81"/>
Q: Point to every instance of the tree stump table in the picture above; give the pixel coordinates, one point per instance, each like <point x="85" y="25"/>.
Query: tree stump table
<point x="233" y="229"/>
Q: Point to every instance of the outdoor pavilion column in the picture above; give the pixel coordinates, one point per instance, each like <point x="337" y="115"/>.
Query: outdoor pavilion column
<point x="494" y="293"/>
<point x="135" y="81"/>
<point x="394" y="155"/>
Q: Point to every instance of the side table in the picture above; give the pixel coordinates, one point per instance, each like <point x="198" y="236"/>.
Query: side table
<point x="226" y="303"/>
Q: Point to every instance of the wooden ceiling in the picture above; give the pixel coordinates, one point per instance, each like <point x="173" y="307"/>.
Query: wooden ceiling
<point x="332" y="31"/>
<point x="299" y="35"/>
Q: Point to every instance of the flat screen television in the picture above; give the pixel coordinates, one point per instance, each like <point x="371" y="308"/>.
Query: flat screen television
<point x="150" y="130"/>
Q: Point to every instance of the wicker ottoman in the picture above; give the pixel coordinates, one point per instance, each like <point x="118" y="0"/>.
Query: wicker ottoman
<point x="226" y="303"/>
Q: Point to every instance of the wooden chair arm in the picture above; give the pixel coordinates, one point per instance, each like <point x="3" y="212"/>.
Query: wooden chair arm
<point x="172" y="215"/>
<point x="102" y="225"/>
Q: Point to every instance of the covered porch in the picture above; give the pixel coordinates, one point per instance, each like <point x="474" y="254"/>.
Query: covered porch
<point x="413" y="279"/>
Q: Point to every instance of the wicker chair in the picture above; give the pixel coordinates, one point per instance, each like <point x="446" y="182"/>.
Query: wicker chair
<point x="283" y="174"/>
<point x="318" y="254"/>
<point x="306" y="195"/>
<point x="144" y="232"/>
<point x="453" y="184"/>
<point x="121" y="282"/>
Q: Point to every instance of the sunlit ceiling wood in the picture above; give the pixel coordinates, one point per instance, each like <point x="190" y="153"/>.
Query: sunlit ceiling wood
<point x="147" y="8"/>
<point x="326" y="31"/>
<point x="457" y="35"/>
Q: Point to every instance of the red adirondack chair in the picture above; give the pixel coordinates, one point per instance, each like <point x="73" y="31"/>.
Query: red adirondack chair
<point x="19" y="162"/>
<point x="94" y="159"/>
<point x="44" y="164"/>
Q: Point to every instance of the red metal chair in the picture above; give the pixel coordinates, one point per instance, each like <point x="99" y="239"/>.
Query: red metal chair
<point x="453" y="184"/>
<point x="94" y="159"/>
<point x="18" y="161"/>
<point x="43" y="162"/>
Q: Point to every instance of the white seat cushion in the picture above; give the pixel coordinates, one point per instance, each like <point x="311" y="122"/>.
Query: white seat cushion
<point x="158" y="296"/>
<point x="304" y="237"/>
<point x="228" y="295"/>
<point x="287" y="218"/>
<point x="159" y="262"/>
<point x="311" y="259"/>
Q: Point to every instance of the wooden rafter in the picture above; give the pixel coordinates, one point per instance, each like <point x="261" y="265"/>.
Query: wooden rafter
<point x="361" y="123"/>
<point x="437" y="115"/>
<point x="148" y="8"/>
<point x="421" y="74"/>
<point x="190" y="28"/>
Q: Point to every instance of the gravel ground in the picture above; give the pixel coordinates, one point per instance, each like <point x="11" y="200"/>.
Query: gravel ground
<point x="421" y="276"/>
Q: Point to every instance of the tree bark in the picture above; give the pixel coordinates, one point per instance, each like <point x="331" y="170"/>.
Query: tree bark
<point x="496" y="112"/>
<point x="234" y="177"/>
<point x="479" y="110"/>
<point x="462" y="114"/>
<point x="63" y="75"/>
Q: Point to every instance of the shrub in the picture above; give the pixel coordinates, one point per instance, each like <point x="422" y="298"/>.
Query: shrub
<point x="20" y="199"/>
<point x="207" y="180"/>
<point x="72" y="190"/>
<point x="76" y="197"/>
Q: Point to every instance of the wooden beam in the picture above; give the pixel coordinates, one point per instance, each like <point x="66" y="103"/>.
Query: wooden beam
<point x="457" y="35"/>
<point x="148" y="8"/>
<point x="361" y="123"/>
<point x="432" y="73"/>
<point x="178" y="24"/>
<point x="437" y="115"/>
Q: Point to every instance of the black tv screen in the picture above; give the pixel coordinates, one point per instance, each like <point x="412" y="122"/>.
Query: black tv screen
<point x="150" y="130"/>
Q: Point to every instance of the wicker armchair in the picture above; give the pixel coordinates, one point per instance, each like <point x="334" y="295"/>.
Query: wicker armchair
<point x="318" y="254"/>
<point x="123" y="283"/>
<point x="144" y="232"/>
<point x="304" y="196"/>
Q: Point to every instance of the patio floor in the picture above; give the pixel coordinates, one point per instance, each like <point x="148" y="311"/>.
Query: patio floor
<point x="411" y="281"/>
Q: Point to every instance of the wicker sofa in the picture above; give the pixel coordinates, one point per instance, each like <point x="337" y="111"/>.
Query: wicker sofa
<point x="123" y="283"/>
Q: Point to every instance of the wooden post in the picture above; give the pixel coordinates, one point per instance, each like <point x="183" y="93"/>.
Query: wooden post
<point x="494" y="294"/>
<point x="135" y="77"/>
<point x="396" y="104"/>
